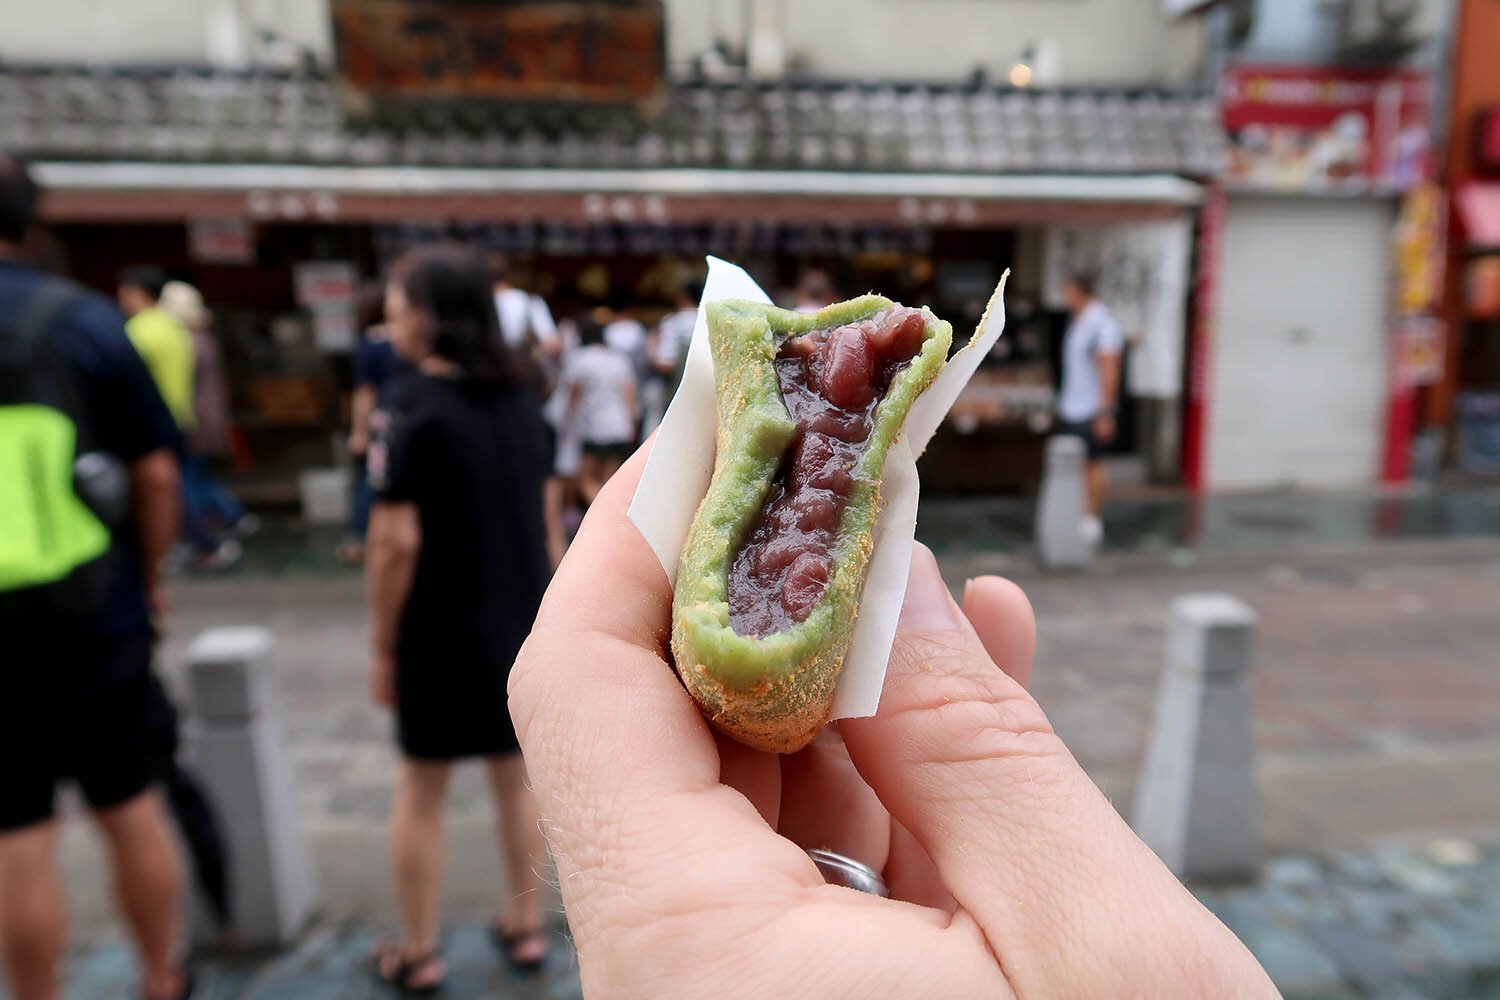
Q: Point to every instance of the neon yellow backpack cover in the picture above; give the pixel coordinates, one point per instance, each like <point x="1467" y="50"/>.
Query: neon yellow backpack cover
<point x="46" y="530"/>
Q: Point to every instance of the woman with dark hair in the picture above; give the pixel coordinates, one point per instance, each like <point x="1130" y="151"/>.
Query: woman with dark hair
<point x="456" y="567"/>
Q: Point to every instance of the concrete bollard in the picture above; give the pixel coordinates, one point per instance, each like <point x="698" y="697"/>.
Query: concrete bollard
<point x="235" y="745"/>
<point x="1060" y="506"/>
<point x="1196" y="804"/>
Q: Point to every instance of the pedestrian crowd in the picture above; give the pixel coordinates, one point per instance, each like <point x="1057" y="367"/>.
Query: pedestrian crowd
<point x="479" y="424"/>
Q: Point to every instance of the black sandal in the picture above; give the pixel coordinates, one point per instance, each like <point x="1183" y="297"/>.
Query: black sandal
<point x="507" y="944"/>
<point x="401" y="974"/>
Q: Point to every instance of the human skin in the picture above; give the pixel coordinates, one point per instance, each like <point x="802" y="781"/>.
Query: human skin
<point x="680" y="853"/>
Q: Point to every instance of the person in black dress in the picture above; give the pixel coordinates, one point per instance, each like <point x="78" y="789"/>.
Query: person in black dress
<point x="456" y="567"/>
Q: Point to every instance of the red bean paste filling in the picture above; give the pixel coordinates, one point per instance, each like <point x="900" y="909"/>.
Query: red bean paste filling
<point x="832" y="381"/>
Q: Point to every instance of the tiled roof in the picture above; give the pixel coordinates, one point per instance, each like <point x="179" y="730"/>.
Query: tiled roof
<point x="193" y="115"/>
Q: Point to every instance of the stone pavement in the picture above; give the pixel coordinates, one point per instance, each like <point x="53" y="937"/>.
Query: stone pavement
<point x="1375" y="689"/>
<point x="1395" y="923"/>
<point x="330" y="964"/>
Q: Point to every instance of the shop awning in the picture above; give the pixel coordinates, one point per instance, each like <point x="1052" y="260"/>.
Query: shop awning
<point x="144" y="191"/>
<point x="1479" y="213"/>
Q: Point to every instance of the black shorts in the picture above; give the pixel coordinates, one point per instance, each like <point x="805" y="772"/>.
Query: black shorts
<point x="1084" y="430"/>
<point x="613" y="450"/>
<point x="79" y="710"/>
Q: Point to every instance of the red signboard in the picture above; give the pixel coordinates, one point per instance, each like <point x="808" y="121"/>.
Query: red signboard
<point x="529" y="50"/>
<point x="1322" y="128"/>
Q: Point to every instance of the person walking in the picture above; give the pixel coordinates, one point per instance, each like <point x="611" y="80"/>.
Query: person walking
<point x="669" y="348"/>
<point x="375" y="364"/>
<point x="205" y="497"/>
<point x="526" y="324"/>
<point x="95" y="450"/>
<point x="167" y="348"/>
<point x="456" y="564"/>
<point x="814" y="291"/>
<point x="598" y="385"/>
<point x="1089" y="396"/>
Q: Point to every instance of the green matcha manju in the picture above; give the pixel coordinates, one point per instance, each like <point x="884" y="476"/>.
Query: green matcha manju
<point x="770" y="579"/>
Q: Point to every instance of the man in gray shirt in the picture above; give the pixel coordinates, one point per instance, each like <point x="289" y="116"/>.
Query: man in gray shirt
<point x="1089" y="396"/>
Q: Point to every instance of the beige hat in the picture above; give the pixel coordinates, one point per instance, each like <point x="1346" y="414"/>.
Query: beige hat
<point x="184" y="303"/>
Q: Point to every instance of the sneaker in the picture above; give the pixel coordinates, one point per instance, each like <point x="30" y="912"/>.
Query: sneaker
<point x="222" y="558"/>
<point x="1092" y="530"/>
<point x="246" y="526"/>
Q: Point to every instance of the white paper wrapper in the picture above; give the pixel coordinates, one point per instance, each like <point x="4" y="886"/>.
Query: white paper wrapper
<point x="682" y="463"/>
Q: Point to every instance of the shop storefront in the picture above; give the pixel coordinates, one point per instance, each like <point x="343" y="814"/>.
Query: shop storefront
<point x="609" y="241"/>
<point x="925" y="193"/>
<point x="1293" y="381"/>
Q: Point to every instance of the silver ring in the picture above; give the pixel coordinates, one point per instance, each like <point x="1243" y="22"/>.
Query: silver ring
<point x="839" y="869"/>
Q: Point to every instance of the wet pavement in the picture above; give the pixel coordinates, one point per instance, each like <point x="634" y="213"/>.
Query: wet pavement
<point x="1229" y="522"/>
<point x="331" y="964"/>
<point x="1397" y="923"/>
<point x="1170" y="523"/>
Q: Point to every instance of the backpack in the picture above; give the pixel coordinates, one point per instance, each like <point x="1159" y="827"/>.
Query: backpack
<point x="59" y="499"/>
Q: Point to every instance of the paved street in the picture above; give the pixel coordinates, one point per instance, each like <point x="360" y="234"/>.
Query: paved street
<point x="1374" y="687"/>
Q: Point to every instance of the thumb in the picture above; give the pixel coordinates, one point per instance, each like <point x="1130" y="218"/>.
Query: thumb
<point x="963" y="757"/>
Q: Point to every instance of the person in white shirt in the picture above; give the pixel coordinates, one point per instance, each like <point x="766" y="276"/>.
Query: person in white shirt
<point x="814" y="292"/>
<point x="523" y="316"/>
<point x="668" y="350"/>
<point x="624" y="333"/>
<point x="598" y="387"/>
<point x="1089" y="397"/>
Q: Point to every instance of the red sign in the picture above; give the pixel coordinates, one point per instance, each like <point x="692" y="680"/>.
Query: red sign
<point x="1309" y="128"/>
<point x="216" y="240"/>
<point x="528" y="50"/>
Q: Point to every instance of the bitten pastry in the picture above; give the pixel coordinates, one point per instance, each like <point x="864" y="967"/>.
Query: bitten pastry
<point x="771" y="574"/>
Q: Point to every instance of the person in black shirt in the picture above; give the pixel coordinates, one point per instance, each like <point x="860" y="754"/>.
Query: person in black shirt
<point x="76" y="691"/>
<point x="456" y="568"/>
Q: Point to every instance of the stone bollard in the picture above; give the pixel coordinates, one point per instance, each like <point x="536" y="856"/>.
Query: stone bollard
<point x="1196" y="804"/>
<point x="235" y="745"/>
<point x="1059" y="508"/>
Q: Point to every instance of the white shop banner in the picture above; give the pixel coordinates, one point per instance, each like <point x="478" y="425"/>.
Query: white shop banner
<point x="1142" y="276"/>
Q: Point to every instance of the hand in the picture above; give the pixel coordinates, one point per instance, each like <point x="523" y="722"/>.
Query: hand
<point x="1104" y="428"/>
<point x="359" y="442"/>
<point x="383" y="678"/>
<point x="680" y="852"/>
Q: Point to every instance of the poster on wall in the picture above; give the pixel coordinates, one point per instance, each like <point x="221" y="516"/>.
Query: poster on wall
<point x="1421" y="249"/>
<point x="327" y="289"/>
<point x="1318" y="128"/>
<point x="1141" y="274"/>
<point x="221" y="240"/>
<point x="1419" y="350"/>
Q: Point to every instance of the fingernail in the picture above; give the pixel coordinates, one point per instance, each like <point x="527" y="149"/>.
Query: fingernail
<point x="928" y="604"/>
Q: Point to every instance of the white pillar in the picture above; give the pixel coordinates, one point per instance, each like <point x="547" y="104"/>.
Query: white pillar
<point x="1060" y="506"/>
<point x="1196" y="803"/>
<point x="235" y="745"/>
